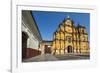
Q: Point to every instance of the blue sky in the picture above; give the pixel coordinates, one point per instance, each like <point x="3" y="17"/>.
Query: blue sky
<point x="48" y="22"/>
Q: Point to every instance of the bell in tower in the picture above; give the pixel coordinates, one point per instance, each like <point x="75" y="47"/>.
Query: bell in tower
<point x="67" y="21"/>
<point x="68" y="16"/>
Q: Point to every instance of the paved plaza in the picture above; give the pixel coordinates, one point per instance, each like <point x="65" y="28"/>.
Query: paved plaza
<point x="50" y="57"/>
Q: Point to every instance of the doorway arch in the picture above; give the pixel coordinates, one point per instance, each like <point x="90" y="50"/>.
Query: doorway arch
<point x="47" y="49"/>
<point x="69" y="49"/>
<point x="24" y="44"/>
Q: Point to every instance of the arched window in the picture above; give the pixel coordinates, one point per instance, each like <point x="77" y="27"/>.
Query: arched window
<point x="68" y="39"/>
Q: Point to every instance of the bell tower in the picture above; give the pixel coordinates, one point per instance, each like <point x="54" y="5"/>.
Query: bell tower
<point x="68" y="21"/>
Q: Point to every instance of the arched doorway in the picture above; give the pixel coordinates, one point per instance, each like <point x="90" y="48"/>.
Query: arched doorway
<point x="24" y="44"/>
<point x="47" y="49"/>
<point x="69" y="49"/>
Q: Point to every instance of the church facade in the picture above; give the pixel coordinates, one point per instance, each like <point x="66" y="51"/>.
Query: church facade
<point x="69" y="38"/>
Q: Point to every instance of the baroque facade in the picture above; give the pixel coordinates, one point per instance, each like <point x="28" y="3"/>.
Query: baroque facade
<point x="69" y="38"/>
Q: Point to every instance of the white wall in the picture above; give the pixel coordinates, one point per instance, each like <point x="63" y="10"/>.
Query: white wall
<point x="32" y="42"/>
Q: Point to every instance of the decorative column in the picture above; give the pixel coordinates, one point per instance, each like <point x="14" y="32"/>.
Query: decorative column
<point x="64" y="38"/>
<point x="55" y="43"/>
<point x="72" y="37"/>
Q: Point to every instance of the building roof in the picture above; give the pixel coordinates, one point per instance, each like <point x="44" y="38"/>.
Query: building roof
<point x="31" y="24"/>
<point x="46" y="41"/>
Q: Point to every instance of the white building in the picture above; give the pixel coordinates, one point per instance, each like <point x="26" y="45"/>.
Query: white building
<point x="31" y="37"/>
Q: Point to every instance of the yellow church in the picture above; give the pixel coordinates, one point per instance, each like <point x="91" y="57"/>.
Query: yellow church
<point x="69" y="38"/>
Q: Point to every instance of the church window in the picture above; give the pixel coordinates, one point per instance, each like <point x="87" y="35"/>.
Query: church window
<point x="69" y="39"/>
